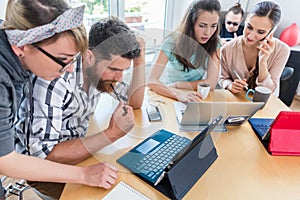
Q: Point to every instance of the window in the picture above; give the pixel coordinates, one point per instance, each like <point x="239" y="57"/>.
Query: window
<point x="146" y="17"/>
<point x="143" y="14"/>
<point x="94" y="10"/>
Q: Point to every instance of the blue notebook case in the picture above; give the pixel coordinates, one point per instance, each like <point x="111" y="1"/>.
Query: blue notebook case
<point x="261" y="126"/>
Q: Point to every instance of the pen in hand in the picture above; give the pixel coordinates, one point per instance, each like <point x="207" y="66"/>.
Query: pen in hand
<point x="112" y="87"/>
<point x="246" y="87"/>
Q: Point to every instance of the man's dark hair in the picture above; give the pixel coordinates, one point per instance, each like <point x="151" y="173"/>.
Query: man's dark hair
<point x="236" y="9"/>
<point x="111" y="36"/>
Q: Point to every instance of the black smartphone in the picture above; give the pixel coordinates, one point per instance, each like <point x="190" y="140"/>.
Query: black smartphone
<point x="272" y="31"/>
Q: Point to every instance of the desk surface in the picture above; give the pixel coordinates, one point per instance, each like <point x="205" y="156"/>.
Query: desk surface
<point x="243" y="170"/>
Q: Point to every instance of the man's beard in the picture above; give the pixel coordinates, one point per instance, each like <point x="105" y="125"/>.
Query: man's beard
<point x="100" y="84"/>
<point x="105" y="85"/>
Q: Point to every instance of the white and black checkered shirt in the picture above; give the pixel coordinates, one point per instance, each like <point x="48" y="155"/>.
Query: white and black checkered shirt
<point x="61" y="111"/>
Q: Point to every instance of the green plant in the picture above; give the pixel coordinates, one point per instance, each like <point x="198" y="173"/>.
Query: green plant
<point x="133" y="6"/>
<point x="95" y="6"/>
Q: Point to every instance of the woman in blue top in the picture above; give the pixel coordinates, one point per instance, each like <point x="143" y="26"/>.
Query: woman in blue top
<point x="190" y="54"/>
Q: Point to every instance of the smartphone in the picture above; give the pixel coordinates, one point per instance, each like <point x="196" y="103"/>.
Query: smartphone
<point x="271" y="32"/>
<point x="153" y="114"/>
<point x="236" y="119"/>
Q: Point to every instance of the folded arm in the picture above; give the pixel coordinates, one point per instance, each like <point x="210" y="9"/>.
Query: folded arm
<point x="213" y="71"/>
<point x="160" y="88"/>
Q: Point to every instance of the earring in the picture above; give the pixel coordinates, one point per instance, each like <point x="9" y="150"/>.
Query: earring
<point x="21" y="55"/>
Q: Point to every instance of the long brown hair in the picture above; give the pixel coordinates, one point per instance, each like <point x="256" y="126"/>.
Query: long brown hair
<point x="186" y="44"/>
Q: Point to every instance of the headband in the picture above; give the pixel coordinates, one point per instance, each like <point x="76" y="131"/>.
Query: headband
<point x="69" y="19"/>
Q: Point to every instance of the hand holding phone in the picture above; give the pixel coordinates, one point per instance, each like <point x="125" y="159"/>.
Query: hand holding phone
<point x="268" y="36"/>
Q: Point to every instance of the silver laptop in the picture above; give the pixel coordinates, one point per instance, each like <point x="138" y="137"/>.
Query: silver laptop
<point x="195" y="116"/>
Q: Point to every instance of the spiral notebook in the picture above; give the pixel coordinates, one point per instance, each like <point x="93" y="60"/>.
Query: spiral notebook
<point x="126" y="192"/>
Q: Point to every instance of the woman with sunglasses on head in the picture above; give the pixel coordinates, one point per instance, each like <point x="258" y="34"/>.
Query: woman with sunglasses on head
<point x="190" y="54"/>
<point x="256" y="58"/>
<point x="44" y="38"/>
<point x="231" y="28"/>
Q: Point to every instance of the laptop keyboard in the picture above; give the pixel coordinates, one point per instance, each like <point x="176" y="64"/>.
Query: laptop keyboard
<point x="262" y="129"/>
<point x="261" y="126"/>
<point x="153" y="164"/>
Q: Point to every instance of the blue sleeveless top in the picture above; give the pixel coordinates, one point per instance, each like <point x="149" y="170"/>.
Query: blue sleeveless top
<point x="173" y="71"/>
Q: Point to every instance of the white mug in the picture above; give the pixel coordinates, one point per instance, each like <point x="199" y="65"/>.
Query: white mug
<point x="203" y="89"/>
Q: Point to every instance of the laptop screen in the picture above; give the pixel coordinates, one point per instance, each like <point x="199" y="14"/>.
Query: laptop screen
<point x="195" y="141"/>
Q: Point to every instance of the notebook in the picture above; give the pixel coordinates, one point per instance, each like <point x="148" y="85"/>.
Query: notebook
<point x="196" y="115"/>
<point x="126" y="192"/>
<point x="172" y="163"/>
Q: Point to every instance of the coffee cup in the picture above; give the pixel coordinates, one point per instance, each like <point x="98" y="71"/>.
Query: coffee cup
<point x="203" y="89"/>
<point x="260" y="94"/>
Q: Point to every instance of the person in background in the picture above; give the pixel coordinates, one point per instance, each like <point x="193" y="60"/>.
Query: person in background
<point x="44" y="38"/>
<point x="190" y="54"/>
<point x="256" y="57"/>
<point x="231" y="28"/>
<point x="62" y="107"/>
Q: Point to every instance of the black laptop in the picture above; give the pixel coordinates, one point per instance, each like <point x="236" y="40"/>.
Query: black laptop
<point x="172" y="163"/>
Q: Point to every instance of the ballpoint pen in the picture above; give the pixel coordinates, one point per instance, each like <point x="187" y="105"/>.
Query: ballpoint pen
<point x="112" y="87"/>
<point x="246" y="87"/>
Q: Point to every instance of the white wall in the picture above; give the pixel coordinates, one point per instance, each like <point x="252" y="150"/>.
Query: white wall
<point x="178" y="8"/>
<point x="226" y="4"/>
<point x="3" y="8"/>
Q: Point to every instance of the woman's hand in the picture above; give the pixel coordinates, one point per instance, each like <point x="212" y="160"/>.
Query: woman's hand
<point x="238" y="86"/>
<point x="266" y="47"/>
<point x="189" y="97"/>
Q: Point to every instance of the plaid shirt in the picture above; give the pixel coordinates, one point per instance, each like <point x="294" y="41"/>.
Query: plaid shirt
<point x="61" y="111"/>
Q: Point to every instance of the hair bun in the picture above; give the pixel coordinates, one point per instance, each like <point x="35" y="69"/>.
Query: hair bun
<point x="237" y="4"/>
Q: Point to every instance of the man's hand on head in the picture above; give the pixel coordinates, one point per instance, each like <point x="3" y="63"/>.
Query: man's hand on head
<point x="140" y="61"/>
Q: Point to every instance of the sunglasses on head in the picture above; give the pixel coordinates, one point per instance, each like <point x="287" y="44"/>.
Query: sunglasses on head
<point x="64" y="66"/>
<point x="233" y="23"/>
